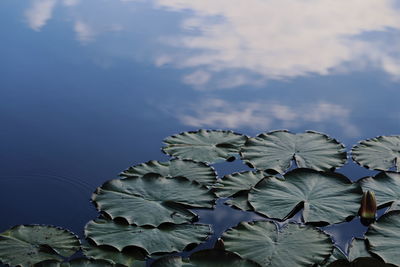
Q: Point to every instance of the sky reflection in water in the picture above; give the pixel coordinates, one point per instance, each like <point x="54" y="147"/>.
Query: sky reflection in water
<point x="89" y="88"/>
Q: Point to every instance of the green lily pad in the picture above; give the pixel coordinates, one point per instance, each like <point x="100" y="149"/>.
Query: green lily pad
<point x="384" y="237"/>
<point x="128" y="257"/>
<point x="326" y="197"/>
<point x="356" y="250"/>
<point x="360" y="262"/>
<point x="293" y="245"/>
<point x="379" y="153"/>
<point x="204" y="145"/>
<point x="276" y="150"/>
<point x="165" y="238"/>
<point x="205" y="258"/>
<point x="77" y="263"/>
<point x="386" y="186"/>
<point x="152" y="200"/>
<point x="25" y="245"/>
<point x="194" y="171"/>
<point x="236" y="186"/>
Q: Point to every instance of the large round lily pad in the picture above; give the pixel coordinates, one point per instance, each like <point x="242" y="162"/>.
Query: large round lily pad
<point x="276" y="150"/>
<point x="384" y="237"/>
<point x="204" y="145"/>
<point x="326" y="197"/>
<point x="152" y="199"/>
<point x="386" y="186"/>
<point x="293" y="245"/>
<point x="25" y="245"/>
<point x="379" y="153"/>
<point x="165" y="238"/>
<point x="205" y="258"/>
<point x="194" y="171"/>
<point x="132" y="257"/>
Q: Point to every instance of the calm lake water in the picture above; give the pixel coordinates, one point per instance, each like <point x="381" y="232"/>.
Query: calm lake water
<point x="89" y="88"/>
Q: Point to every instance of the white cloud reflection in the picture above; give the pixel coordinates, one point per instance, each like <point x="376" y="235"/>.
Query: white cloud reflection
<point x="39" y="13"/>
<point x="287" y="38"/>
<point x="231" y="43"/>
<point x="261" y="115"/>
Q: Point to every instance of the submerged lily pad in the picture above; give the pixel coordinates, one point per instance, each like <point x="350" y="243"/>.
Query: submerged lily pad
<point x="165" y="238"/>
<point x="152" y="200"/>
<point x="293" y="245"/>
<point x="25" y="245"/>
<point x="379" y="153"/>
<point x="204" y="145"/>
<point x="205" y="258"/>
<point x="128" y="257"/>
<point x="326" y="197"/>
<point x="384" y="237"/>
<point x="276" y="150"/>
<point x="386" y="186"/>
<point x="194" y="171"/>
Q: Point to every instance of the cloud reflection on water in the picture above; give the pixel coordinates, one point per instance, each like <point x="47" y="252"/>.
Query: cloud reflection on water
<point x="262" y="115"/>
<point x="231" y="43"/>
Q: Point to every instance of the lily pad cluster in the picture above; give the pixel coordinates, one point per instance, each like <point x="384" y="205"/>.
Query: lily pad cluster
<point x="148" y="212"/>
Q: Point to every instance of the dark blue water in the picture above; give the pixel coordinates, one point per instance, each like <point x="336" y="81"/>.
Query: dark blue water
<point x="88" y="88"/>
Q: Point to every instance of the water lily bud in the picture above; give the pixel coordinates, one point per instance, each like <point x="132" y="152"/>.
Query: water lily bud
<point x="367" y="210"/>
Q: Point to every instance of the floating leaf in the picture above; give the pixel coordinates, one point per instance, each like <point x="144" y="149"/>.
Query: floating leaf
<point x="204" y="145"/>
<point x="357" y="249"/>
<point x="76" y="263"/>
<point x="194" y="171"/>
<point x="276" y="150"/>
<point x="25" y="245"/>
<point x="360" y="262"/>
<point x="165" y="238"/>
<point x="379" y="153"/>
<point x="386" y="186"/>
<point x="152" y="200"/>
<point x="205" y="258"/>
<point x="384" y="237"/>
<point x="236" y="186"/>
<point x="293" y="245"/>
<point x="129" y="257"/>
<point x="326" y="197"/>
<point x="240" y="181"/>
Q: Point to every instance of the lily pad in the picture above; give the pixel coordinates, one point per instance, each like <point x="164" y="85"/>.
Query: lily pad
<point x="236" y="186"/>
<point x="131" y="257"/>
<point x="25" y="245"/>
<point x="205" y="258"/>
<point x="386" y="186"/>
<point x="77" y="263"/>
<point x="384" y="237"/>
<point x="152" y="200"/>
<point x="204" y="145"/>
<point x="276" y="150"/>
<point x="325" y="197"/>
<point x="379" y="153"/>
<point x="165" y="238"/>
<point x="194" y="171"/>
<point x="360" y="262"/>
<point x="293" y="245"/>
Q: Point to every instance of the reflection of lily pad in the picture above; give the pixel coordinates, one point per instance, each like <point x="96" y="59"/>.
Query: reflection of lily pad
<point x="384" y="237"/>
<point x="26" y="245"/>
<point x="128" y="257"/>
<point x="327" y="197"/>
<point x="386" y="186"/>
<point x="205" y="258"/>
<point x="379" y="153"/>
<point x="194" y="171"/>
<point x="165" y="238"/>
<point x="276" y="150"/>
<point x="152" y="200"/>
<point x="204" y="145"/>
<point x="293" y="245"/>
<point x="77" y="263"/>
